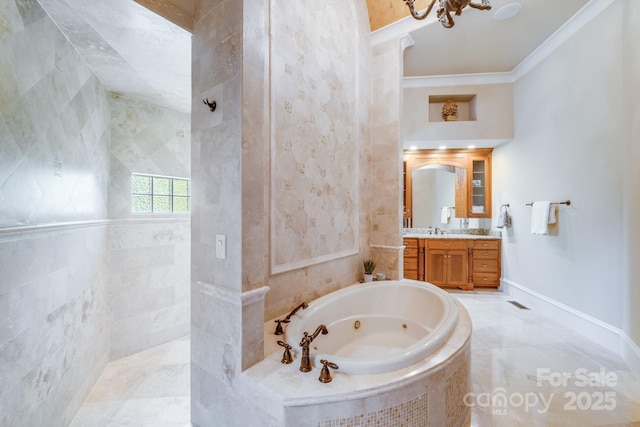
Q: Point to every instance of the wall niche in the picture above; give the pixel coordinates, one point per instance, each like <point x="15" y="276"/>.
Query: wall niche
<point x="467" y="107"/>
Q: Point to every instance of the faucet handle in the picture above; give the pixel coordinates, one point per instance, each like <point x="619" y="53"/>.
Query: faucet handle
<point x="325" y="374"/>
<point x="286" y="357"/>
<point x="279" y="330"/>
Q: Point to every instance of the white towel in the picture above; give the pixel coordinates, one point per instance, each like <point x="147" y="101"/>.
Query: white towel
<point x="504" y="220"/>
<point x="445" y="214"/>
<point x="541" y="216"/>
<point x="552" y="214"/>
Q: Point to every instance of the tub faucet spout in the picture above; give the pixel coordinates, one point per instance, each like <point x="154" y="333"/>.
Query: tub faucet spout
<point x="305" y="360"/>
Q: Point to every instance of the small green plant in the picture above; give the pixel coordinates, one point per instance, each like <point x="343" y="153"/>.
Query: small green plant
<point x="369" y="266"/>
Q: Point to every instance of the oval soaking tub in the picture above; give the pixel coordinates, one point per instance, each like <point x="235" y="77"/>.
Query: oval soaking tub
<point x="376" y="327"/>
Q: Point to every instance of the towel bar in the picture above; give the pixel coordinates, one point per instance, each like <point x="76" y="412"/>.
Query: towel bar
<point x="567" y="202"/>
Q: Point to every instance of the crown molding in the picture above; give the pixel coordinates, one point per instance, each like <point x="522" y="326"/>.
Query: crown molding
<point x="578" y="21"/>
<point x="406" y="41"/>
<point x="458" y="80"/>
<point x="399" y="28"/>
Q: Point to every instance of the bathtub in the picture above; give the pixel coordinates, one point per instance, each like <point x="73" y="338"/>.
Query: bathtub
<point x="376" y="327"/>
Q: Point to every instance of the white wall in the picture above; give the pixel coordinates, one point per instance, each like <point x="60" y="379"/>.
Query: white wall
<point x="631" y="54"/>
<point x="492" y="122"/>
<point x="571" y="143"/>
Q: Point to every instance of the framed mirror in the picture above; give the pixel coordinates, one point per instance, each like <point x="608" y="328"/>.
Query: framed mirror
<point x="445" y="189"/>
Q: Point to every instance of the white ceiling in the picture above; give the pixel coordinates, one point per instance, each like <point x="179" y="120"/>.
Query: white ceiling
<point x="480" y="44"/>
<point x="140" y="55"/>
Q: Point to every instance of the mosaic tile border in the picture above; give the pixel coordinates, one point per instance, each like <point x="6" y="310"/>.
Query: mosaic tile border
<point x="413" y="413"/>
<point x="455" y="389"/>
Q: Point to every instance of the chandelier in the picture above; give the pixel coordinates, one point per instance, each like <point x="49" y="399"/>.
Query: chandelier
<point x="446" y="7"/>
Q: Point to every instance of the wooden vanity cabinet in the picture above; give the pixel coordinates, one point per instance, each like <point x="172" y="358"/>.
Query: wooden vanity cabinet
<point x="447" y="263"/>
<point x="453" y="263"/>
<point x="478" y="191"/>
<point x="486" y="263"/>
<point x="414" y="258"/>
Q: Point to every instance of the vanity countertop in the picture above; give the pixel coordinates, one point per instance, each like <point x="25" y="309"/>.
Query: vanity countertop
<point x="452" y="236"/>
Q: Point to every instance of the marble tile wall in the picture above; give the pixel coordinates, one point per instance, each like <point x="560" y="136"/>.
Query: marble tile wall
<point x="314" y="143"/>
<point x="386" y="158"/>
<point x="72" y="281"/>
<point x="305" y="284"/>
<point x="216" y="161"/>
<point x="54" y="170"/>
<point x="54" y="128"/>
<point x="145" y="139"/>
<point x="149" y="256"/>
<point x="149" y="289"/>
<point x="231" y="165"/>
<point x="53" y="323"/>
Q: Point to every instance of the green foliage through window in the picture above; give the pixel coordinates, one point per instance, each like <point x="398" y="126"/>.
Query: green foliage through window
<point x="159" y="194"/>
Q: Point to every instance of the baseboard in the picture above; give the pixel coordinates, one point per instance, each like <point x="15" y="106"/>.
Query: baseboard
<point x="594" y="329"/>
<point x="630" y="352"/>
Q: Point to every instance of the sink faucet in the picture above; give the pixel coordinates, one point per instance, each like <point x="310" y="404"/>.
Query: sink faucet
<point x="287" y="319"/>
<point x="438" y="231"/>
<point x="305" y="360"/>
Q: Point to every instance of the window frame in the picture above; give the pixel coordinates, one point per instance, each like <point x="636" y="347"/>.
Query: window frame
<point x="153" y="195"/>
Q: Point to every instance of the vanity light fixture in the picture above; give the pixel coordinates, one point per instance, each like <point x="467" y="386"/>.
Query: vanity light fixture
<point x="445" y="8"/>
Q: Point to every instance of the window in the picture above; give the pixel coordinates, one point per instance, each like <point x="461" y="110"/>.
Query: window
<point x="159" y="194"/>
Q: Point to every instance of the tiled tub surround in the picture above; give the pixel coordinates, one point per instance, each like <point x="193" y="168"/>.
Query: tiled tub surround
<point x="427" y="393"/>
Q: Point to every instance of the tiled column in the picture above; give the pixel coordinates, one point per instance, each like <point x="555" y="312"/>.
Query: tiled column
<point x="233" y="178"/>
<point x="386" y="158"/>
<point x="227" y="164"/>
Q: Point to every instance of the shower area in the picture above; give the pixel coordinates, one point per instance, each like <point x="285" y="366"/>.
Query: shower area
<point x="83" y="280"/>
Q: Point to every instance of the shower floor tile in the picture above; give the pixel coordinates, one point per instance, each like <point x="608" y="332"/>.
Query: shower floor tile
<point x="147" y="389"/>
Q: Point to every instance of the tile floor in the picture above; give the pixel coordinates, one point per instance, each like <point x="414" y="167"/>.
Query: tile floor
<point x="147" y="389"/>
<point x="517" y="357"/>
<point x="521" y="355"/>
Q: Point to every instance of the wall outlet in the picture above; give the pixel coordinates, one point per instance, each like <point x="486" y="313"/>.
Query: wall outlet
<point x="221" y="246"/>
